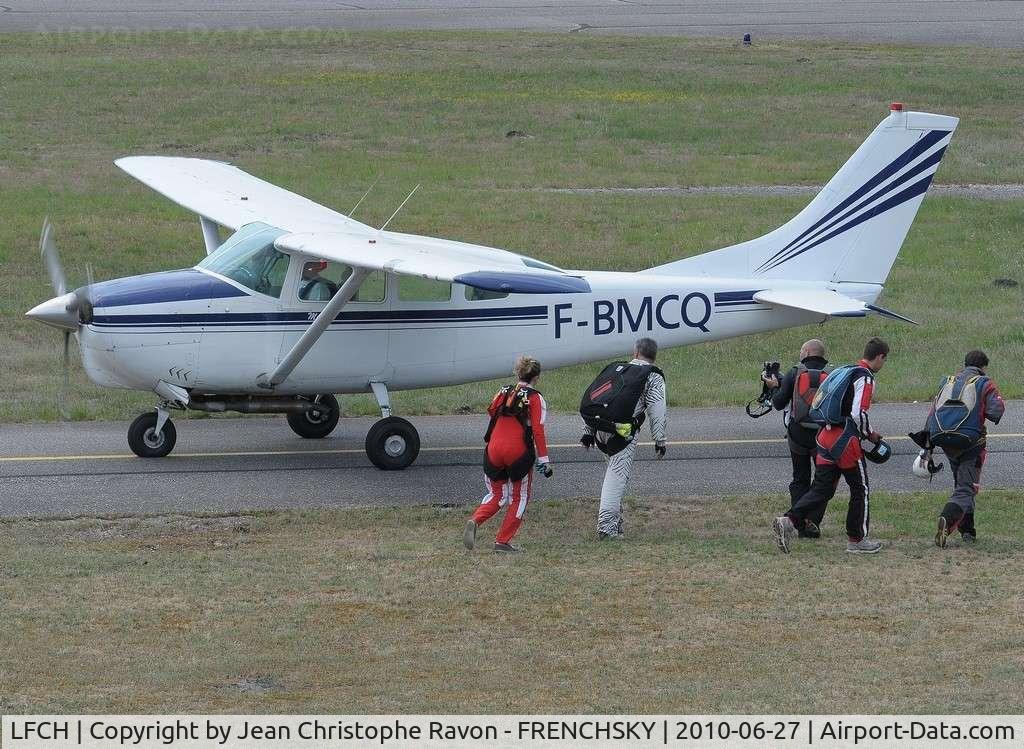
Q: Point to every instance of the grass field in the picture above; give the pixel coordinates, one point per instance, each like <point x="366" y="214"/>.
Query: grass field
<point x="325" y="114"/>
<point x="383" y="611"/>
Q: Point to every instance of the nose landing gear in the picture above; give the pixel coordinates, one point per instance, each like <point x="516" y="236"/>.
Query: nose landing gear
<point x="152" y="434"/>
<point x="392" y="443"/>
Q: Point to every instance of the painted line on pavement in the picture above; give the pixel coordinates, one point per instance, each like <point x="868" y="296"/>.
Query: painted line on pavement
<point x="453" y="448"/>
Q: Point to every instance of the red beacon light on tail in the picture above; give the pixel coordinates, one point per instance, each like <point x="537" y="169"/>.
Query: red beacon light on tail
<point x="896" y="106"/>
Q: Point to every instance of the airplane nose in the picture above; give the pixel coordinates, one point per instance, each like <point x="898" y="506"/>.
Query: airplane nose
<point x="59" y="312"/>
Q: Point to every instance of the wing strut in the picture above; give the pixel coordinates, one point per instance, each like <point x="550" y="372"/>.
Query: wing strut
<point x="211" y="237"/>
<point x="316" y="329"/>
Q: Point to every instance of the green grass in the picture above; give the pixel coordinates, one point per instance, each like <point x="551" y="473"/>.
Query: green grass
<point x="383" y="611"/>
<point x="324" y="114"/>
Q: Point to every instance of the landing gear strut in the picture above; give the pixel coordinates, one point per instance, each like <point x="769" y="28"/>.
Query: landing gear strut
<point x="392" y="443"/>
<point x="152" y="434"/>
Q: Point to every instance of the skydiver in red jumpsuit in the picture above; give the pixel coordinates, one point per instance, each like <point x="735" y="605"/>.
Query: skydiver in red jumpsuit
<point x="515" y="444"/>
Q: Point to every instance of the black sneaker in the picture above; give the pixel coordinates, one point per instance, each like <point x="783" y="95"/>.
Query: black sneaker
<point x="810" y="530"/>
<point x="942" y="532"/>
<point x="613" y="536"/>
<point x="469" y="535"/>
<point x="968" y="538"/>
<point x="507" y="548"/>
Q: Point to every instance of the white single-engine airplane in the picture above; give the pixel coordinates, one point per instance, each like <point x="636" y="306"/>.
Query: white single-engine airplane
<point x="302" y="302"/>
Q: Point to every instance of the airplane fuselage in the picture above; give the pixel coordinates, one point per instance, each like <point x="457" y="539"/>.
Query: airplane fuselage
<point x="204" y="332"/>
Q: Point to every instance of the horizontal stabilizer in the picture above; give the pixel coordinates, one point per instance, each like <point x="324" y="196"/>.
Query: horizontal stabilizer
<point x="824" y="302"/>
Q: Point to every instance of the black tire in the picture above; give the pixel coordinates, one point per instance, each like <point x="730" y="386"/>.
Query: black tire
<point x="144" y="441"/>
<point x="316" y="423"/>
<point x="392" y="444"/>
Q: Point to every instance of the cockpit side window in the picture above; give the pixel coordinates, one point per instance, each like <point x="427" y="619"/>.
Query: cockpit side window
<point x="250" y="258"/>
<point x="321" y="279"/>
<point x="478" y="295"/>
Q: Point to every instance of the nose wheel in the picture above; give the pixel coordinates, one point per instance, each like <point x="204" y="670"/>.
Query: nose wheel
<point x="152" y="435"/>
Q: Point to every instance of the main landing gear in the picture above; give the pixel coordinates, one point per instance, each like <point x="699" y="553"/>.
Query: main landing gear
<point x="391" y="444"/>
<point x="319" y="420"/>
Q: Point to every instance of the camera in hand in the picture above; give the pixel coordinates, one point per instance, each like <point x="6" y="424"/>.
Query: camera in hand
<point x="762" y="404"/>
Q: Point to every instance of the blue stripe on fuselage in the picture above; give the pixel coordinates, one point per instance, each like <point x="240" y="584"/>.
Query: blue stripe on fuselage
<point x="364" y="317"/>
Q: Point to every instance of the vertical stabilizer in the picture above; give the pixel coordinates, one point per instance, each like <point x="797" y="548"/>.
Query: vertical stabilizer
<point x="854" y="228"/>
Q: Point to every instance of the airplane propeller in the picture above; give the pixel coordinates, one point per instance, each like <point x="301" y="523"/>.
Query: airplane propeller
<point x="69" y="310"/>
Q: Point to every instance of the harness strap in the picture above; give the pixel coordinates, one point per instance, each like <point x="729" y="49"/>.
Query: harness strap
<point x="511" y="393"/>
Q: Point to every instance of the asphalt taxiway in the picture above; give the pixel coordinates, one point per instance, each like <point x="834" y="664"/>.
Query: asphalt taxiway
<point x="992" y="23"/>
<point x="231" y="465"/>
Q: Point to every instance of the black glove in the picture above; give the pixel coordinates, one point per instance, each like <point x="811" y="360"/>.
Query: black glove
<point x="545" y="470"/>
<point x="587" y="440"/>
<point x="659" y="449"/>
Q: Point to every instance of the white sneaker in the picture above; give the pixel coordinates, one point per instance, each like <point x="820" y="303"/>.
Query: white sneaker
<point x="864" y="546"/>
<point x="782" y="530"/>
<point x="469" y="535"/>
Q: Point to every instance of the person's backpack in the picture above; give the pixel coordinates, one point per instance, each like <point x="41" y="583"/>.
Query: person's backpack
<point x="827" y="405"/>
<point x="609" y="402"/>
<point x="805" y="387"/>
<point x="516" y="403"/>
<point x="955" y="421"/>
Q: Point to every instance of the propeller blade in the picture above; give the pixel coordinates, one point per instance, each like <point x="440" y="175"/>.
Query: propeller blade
<point x="62" y="397"/>
<point x="48" y="249"/>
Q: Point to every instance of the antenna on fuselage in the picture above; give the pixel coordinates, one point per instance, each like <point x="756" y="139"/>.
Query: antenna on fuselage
<point x="350" y="213"/>
<point x="399" y="207"/>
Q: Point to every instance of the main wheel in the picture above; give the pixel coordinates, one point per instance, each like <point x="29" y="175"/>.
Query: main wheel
<point x="392" y="444"/>
<point x="146" y="442"/>
<point x="318" y="421"/>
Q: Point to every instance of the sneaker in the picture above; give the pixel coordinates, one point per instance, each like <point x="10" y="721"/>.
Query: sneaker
<point x="469" y="535"/>
<point x="506" y="548"/>
<point x="942" y="533"/>
<point x="810" y="530"/>
<point x="864" y="546"/>
<point x="613" y="536"/>
<point x="782" y="530"/>
<point x="968" y="538"/>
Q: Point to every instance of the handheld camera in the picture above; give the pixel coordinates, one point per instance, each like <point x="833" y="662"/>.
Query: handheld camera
<point x="762" y="404"/>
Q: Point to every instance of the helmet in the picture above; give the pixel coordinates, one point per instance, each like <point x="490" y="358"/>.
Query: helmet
<point x="924" y="467"/>
<point x="880" y="453"/>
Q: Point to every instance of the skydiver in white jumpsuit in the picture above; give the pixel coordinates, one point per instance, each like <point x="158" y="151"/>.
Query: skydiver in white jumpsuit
<point x="652" y="404"/>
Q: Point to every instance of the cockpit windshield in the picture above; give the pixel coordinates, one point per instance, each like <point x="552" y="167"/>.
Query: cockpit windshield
<point x="250" y="258"/>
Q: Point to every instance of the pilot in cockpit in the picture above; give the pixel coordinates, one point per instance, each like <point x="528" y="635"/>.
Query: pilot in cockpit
<point x="313" y="287"/>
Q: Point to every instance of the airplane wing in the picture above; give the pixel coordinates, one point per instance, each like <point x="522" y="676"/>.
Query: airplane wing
<point x="230" y="197"/>
<point x="824" y="302"/>
<point x="444" y="260"/>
